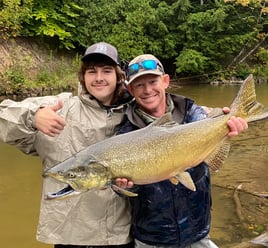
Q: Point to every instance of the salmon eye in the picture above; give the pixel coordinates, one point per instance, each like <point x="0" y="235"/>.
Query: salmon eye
<point x="71" y="174"/>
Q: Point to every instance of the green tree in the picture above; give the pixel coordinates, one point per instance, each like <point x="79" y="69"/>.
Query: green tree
<point x="191" y="62"/>
<point x="133" y="26"/>
<point x="12" y="15"/>
<point x="217" y="31"/>
<point x="191" y="36"/>
<point x="53" y="19"/>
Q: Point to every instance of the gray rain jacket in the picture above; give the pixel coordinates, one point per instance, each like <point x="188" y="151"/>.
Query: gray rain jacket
<point x="98" y="217"/>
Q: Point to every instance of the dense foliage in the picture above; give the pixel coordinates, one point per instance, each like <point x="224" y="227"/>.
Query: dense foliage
<point x="191" y="37"/>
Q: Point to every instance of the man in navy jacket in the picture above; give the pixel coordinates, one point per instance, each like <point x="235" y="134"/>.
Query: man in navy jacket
<point x="164" y="214"/>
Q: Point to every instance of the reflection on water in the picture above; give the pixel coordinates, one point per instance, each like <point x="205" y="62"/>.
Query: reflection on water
<point x="20" y="179"/>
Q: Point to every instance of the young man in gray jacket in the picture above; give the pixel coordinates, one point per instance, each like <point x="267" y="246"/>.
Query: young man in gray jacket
<point x="55" y="128"/>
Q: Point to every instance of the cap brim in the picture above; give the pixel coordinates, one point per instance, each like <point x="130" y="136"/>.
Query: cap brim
<point x="139" y="74"/>
<point x="98" y="57"/>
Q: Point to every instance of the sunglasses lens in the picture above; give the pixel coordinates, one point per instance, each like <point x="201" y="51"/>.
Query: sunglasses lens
<point x="133" y="69"/>
<point x="144" y="65"/>
<point x="149" y="65"/>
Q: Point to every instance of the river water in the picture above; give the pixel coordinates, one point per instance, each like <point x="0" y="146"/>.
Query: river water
<point x="247" y="166"/>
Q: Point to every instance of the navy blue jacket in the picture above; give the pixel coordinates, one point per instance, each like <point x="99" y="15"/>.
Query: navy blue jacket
<point x="168" y="214"/>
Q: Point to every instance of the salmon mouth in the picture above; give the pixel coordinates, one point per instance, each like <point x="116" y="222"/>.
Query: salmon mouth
<point x="65" y="192"/>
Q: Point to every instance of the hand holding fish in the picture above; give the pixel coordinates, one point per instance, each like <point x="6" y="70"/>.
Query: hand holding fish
<point x="236" y="124"/>
<point x="124" y="183"/>
<point x="48" y="121"/>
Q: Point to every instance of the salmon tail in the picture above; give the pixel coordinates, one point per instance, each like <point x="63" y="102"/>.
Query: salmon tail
<point x="246" y="105"/>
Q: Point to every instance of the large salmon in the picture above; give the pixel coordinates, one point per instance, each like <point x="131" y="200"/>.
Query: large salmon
<point x="162" y="150"/>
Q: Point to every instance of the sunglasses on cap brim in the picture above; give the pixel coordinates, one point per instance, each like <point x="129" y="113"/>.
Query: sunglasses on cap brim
<point x="144" y="65"/>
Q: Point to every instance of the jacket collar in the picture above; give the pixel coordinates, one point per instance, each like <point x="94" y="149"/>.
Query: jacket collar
<point x="179" y="110"/>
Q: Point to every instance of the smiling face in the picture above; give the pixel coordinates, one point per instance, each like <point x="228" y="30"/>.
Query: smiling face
<point x="100" y="82"/>
<point x="149" y="92"/>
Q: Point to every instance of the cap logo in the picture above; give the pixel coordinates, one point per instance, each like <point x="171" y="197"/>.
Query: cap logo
<point x="101" y="48"/>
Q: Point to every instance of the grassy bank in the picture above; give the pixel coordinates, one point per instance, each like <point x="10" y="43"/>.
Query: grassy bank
<point x="32" y="69"/>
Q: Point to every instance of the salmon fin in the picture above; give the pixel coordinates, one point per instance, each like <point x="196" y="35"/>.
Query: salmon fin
<point x="185" y="179"/>
<point x="245" y="105"/>
<point x="124" y="192"/>
<point x="165" y="120"/>
<point x="216" y="159"/>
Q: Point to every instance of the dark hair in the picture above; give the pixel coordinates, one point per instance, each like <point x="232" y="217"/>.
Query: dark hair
<point x="120" y="77"/>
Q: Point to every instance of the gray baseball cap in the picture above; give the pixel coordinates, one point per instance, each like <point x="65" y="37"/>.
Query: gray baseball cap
<point x="101" y="48"/>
